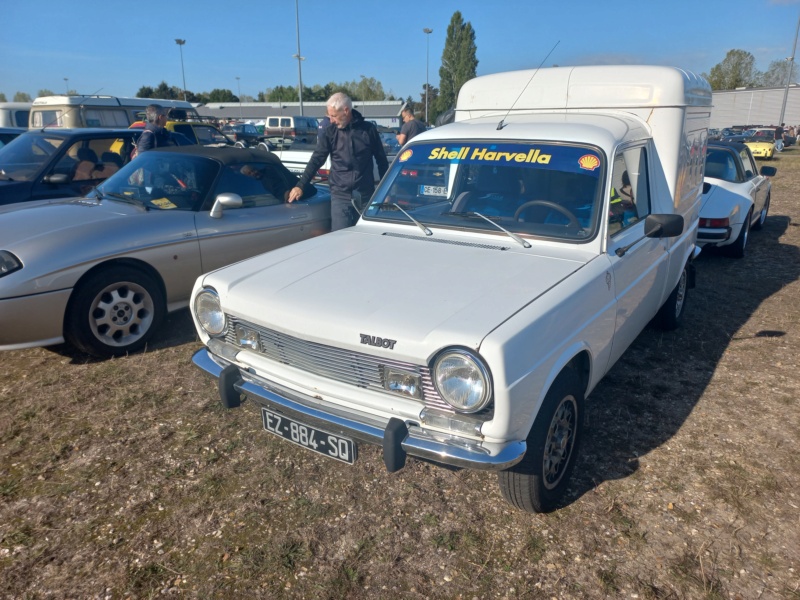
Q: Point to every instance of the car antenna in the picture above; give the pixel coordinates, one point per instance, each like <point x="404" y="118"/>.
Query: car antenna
<point x="69" y="111"/>
<point x="502" y="123"/>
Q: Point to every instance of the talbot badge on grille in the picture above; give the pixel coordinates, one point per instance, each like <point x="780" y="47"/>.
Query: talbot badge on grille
<point x="374" y="340"/>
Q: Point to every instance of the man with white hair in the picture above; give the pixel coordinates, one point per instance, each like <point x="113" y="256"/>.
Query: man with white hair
<point x="352" y="143"/>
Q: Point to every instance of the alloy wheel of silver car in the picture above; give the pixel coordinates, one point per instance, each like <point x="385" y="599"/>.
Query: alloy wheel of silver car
<point x="114" y="311"/>
<point x="121" y="313"/>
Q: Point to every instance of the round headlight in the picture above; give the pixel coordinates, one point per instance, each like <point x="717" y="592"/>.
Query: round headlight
<point x="209" y="312"/>
<point x="462" y="380"/>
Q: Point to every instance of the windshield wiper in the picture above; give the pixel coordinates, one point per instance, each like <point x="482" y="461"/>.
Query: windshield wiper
<point x="417" y="223"/>
<point x="121" y="197"/>
<point x="513" y="236"/>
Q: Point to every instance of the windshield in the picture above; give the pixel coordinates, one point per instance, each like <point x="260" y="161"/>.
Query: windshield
<point x="547" y="190"/>
<point x="163" y="181"/>
<point x="23" y="158"/>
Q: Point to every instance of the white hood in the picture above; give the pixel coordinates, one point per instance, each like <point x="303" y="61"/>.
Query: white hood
<point x="423" y="292"/>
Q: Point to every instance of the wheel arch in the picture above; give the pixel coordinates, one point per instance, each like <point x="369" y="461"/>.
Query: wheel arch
<point x="108" y="265"/>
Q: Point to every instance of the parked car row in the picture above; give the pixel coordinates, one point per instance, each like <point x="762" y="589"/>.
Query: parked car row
<point x="100" y="271"/>
<point x="736" y="197"/>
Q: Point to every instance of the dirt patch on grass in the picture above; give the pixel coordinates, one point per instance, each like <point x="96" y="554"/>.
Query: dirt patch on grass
<point x="125" y="479"/>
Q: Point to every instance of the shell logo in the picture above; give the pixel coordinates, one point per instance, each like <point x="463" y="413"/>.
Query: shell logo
<point x="589" y="162"/>
<point x="405" y="155"/>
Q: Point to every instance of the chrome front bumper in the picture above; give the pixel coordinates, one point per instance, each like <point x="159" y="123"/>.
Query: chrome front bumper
<point x="398" y="438"/>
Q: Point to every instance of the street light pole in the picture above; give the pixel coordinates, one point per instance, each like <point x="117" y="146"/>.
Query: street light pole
<point x="66" y="84"/>
<point x="427" y="31"/>
<point x="298" y="56"/>
<point x="789" y="76"/>
<point x="183" y="73"/>
<point x="239" y="89"/>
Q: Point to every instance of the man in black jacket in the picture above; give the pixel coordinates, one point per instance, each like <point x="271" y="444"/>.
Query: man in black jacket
<point x="352" y="143"/>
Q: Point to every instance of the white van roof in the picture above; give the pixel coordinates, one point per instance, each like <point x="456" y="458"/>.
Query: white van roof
<point x="585" y="88"/>
<point x="108" y="101"/>
<point x="15" y="105"/>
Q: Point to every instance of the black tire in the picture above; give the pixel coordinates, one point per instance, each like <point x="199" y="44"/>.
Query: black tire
<point x="670" y="314"/>
<point x="737" y="248"/>
<point x="538" y="482"/>
<point x="762" y="216"/>
<point x="114" y="312"/>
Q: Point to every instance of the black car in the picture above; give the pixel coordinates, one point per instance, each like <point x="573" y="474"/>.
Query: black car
<point x="9" y="133"/>
<point x="61" y="163"/>
<point x="245" y="135"/>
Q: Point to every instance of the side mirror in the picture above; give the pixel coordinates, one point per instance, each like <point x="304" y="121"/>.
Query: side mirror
<point x="61" y="178"/>
<point x="226" y="200"/>
<point x="663" y="226"/>
<point x="768" y="171"/>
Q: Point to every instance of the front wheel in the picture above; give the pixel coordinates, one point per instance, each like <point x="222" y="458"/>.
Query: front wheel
<point x="538" y="482"/>
<point x="114" y="312"/>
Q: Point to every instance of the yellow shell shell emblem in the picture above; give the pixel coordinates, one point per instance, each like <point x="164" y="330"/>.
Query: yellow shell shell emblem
<point x="589" y="162"/>
<point x="405" y="155"/>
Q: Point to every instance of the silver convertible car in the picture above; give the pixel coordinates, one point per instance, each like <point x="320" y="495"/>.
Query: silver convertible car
<point x="101" y="271"/>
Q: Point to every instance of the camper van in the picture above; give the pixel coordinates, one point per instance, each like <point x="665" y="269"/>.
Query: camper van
<point x="94" y="111"/>
<point x="503" y="265"/>
<point x="14" y="114"/>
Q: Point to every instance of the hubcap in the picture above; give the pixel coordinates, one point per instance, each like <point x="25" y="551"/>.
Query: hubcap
<point x="681" y="295"/>
<point x="121" y="314"/>
<point x="560" y="442"/>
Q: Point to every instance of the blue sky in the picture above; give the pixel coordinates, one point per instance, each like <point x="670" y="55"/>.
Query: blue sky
<point x="116" y="47"/>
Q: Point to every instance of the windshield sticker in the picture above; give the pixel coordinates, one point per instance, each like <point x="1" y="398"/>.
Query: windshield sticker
<point x="567" y="158"/>
<point x="163" y="203"/>
<point x="589" y="162"/>
<point x="489" y="154"/>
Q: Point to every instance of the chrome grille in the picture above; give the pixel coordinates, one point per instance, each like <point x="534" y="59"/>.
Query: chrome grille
<point x="353" y="368"/>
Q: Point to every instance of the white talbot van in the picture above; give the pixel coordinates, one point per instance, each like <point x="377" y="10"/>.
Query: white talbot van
<point x="504" y="264"/>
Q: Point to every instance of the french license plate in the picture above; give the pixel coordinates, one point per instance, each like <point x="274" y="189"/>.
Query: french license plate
<point x="433" y="190"/>
<point x="327" y="444"/>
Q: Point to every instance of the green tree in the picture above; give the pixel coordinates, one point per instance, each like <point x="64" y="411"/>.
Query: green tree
<point x="459" y="62"/>
<point x="145" y="92"/>
<point x="3" y="97"/>
<point x="22" y="97"/>
<point x="736" y="70"/>
<point x="45" y="92"/>
<point x="433" y="96"/>
<point x="775" y="75"/>
<point x="221" y="95"/>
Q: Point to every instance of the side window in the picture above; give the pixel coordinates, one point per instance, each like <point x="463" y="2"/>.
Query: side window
<point x="273" y="122"/>
<point x="286" y="122"/>
<point x="630" y="191"/>
<point x="47" y="118"/>
<point x="205" y="134"/>
<point x="106" y="118"/>
<point x="185" y="129"/>
<point x="750" y="168"/>
<point x="82" y="160"/>
<point x="253" y="182"/>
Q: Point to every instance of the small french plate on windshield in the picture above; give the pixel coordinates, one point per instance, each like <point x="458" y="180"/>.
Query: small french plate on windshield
<point x="321" y="442"/>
